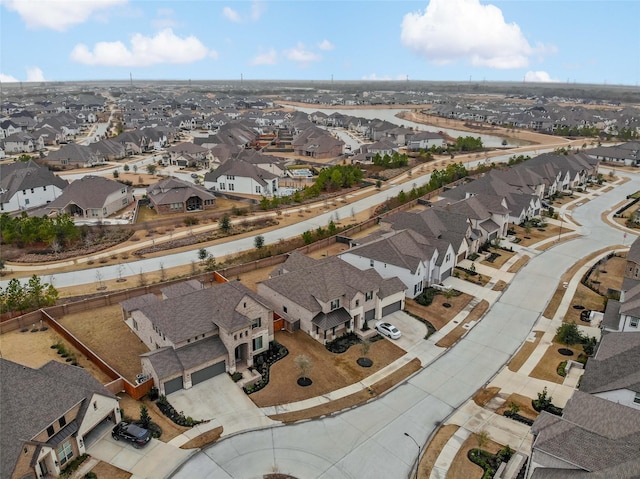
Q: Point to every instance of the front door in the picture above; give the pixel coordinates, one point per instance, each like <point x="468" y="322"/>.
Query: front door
<point x="43" y="468"/>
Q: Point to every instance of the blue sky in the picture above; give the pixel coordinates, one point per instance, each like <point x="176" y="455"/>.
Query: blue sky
<point x="582" y="41"/>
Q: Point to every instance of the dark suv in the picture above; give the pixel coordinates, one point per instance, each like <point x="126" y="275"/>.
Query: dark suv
<point x="136" y="435"/>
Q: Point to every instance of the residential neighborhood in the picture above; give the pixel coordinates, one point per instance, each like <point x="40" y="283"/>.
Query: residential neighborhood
<point x="492" y="292"/>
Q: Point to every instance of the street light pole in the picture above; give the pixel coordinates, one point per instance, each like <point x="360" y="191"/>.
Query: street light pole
<point x="419" y="448"/>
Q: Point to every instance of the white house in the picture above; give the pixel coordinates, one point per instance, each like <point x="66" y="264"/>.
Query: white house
<point x="26" y="185"/>
<point x="239" y="176"/>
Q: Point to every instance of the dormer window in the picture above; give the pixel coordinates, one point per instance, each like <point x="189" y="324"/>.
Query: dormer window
<point x="335" y="304"/>
<point x="368" y="296"/>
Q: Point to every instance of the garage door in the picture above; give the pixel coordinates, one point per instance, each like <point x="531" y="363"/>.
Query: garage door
<point x="207" y="373"/>
<point x="392" y="308"/>
<point x="173" y="385"/>
<point x="445" y="274"/>
<point x="371" y="314"/>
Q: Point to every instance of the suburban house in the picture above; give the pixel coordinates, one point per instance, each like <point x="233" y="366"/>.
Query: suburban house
<point x="73" y="155"/>
<point x="8" y="128"/>
<point x="594" y="438"/>
<point x="178" y="196"/>
<point x="488" y="215"/>
<point x="239" y="176"/>
<point x="623" y="315"/>
<point x="317" y="143"/>
<point x="613" y="372"/>
<point x="91" y="198"/>
<point x="416" y="260"/>
<point x="196" y="333"/>
<point x="49" y="414"/>
<point x="23" y="142"/>
<point x="329" y="297"/>
<point x="25" y="185"/>
<point x="189" y="154"/>
<point x="627" y="154"/>
<point x="424" y="140"/>
<point x="632" y="269"/>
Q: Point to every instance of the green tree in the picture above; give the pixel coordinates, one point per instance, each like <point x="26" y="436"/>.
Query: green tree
<point x="258" y="242"/>
<point x="482" y="437"/>
<point x="225" y="223"/>
<point x="569" y="334"/>
<point x="332" y="228"/>
<point x="116" y="174"/>
<point x="126" y="167"/>
<point x="307" y="237"/>
<point x="265" y="203"/>
<point x="203" y="254"/>
<point x="35" y="292"/>
<point x="24" y="158"/>
<point x="151" y="169"/>
<point x="14" y="296"/>
<point x="145" y="418"/>
<point x="135" y="168"/>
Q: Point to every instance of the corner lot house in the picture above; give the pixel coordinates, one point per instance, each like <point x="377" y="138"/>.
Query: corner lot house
<point x="25" y="185"/>
<point x="48" y="415"/>
<point x="178" y="196"/>
<point x="195" y="334"/>
<point x="329" y="297"/>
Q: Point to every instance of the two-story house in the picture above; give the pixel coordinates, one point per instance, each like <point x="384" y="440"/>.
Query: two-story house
<point x="329" y="297"/>
<point x="26" y="185"/>
<point x="239" y="176"/>
<point x="197" y="333"/>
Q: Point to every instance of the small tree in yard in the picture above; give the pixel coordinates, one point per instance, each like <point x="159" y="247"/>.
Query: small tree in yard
<point x="258" y="242"/>
<point x="569" y="334"/>
<point x="225" y="223"/>
<point x="365" y="347"/>
<point x="202" y="255"/>
<point x="145" y="418"/>
<point x="303" y="364"/>
<point x="151" y="169"/>
<point x="483" y="438"/>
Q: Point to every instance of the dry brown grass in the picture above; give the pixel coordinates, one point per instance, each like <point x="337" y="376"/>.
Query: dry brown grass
<point x="526" y="408"/>
<point x="556" y="299"/>
<point x="585" y="297"/>
<point x="499" y="286"/>
<point x="524" y="352"/>
<point x="564" y="239"/>
<point x="476" y="313"/>
<point x="434" y="448"/>
<point x="34" y="350"/>
<point x="330" y="371"/>
<point x="517" y="266"/>
<point x="547" y="367"/>
<point x="611" y="273"/>
<point x="208" y="437"/>
<point x="106" y="334"/>
<point x="132" y="409"/>
<point x="104" y="470"/>
<point x="462" y="467"/>
<point x="482" y="397"/>
<point x="352" y="400"/>
<point x="500" y="260"/>
<point x="437" y="314"/>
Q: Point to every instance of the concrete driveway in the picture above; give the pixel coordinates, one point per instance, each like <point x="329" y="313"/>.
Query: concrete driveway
<point x="156" y="460"/>
<point x="413" y="331"/>
<point x="222" y="401"/>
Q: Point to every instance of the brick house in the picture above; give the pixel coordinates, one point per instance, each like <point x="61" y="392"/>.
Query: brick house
<point x="177" y="196"/>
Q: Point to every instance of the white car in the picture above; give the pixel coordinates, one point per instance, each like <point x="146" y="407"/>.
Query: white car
<point x="388" y="329"/>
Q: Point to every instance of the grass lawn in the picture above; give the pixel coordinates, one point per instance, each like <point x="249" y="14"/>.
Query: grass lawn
<point x="476" y="313"/>
<point x="204" y="439"/>
<point x="515" y="267"/>
<point x="610" y="274"/>
<point x="104" y="331"/>
<point x="535" y="235"/>
<point x="547" y="367"/>
<point x="104" y="470"/>
<point x="434" y="448"/>
<point x="587" y="298"/>
<point x="330" y="371"/>
<point x="500" y="260"/>
<point x="437" y="314"/>
<point x="526" y="408"/>
<point x="462" y="467"/>
<point x="499" y="286"/>
<point x="482" y="397"/>
<point x="132" y="409"/>
<point x="524" y="352"/>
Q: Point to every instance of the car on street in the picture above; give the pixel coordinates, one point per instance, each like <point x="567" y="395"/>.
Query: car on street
<point x="194" y="175"/>
<point x="136" y="435"/>
<point x="388" y="330"/>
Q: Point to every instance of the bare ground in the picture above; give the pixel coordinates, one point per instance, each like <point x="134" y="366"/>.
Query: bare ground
<point x="547" y="367"/>
<point x="437" y="314"/>
<point x="524" y="352"/>
<point x="476" y="313"/>
<point x="434" y="448"/>
<point x="462" y="467"/>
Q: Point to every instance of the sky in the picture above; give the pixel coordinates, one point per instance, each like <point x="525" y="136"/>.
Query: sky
<point x="576" y="41"/>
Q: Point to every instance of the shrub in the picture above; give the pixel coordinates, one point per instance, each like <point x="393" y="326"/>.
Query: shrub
<point x="562" y="369"/>
<point x="73" y="466"/>
<point x="237" y="376"/>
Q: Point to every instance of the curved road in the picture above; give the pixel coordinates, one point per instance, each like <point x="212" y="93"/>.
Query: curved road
<point x="369" y="441"/>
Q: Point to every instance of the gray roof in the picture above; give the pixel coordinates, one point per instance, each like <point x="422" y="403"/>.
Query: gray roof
<point x="331" y="319"/>
<point x="138" y="302"/>
<point x="242" y="169"/>
<point x="87" y="192"/>
<point x="615" y="365"/>
<point x="201" y="312"/>
<point x="21" y="175"/>
<point x="181" y="288"/>
<point x="634" y="251"/>
<point x="174" y="190"/>
<point x="593" y="434"/>
<point x="32" y="399"/>
<point x="611" y="319"/>
<point x="168" y="362"/>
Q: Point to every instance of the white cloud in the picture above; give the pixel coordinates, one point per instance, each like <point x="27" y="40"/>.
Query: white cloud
<point x="257" y="10"/>
<point x="164" y="47"/>
<point x="58" y="14"/>
<point x="165" y="19"/>
<point x="539" y="77"/>
<point x="375" y="77"/>
<point x="326" y="45"/>
<point x="35" y="74"/>
<point x="301" y="55"/>
<point x="450" y="30"/>
<point x="266" y="58"/>
<point x="8" y="79"/>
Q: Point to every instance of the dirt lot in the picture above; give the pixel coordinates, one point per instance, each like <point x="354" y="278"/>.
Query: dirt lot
<point x="330" y="371"/>
<point x="104" y="331"/>
<point x="34" y="350"/>
<point x="437" y="314"/>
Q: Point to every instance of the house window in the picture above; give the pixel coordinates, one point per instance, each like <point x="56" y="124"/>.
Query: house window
<point x="335" y="304"/>
<point x="258" y="189"/>
<point x="284" y="309"/>
<point x="24" y="192"/>
<point x="222" y="187"/>
<point x="62" y="421"/>
<point x="95" y="212"/>
<point x="231" y="177"/>
<point x="256" y="323"/>
<point x="231" y="187"/>
<point x="636" y="399"/>
<point x="32" y="190"/>
<point x="135" y="324"/>
<point x="257" y="343"/>
<point x="50" y="431"/>
<point x="357" y="303"/>
<point x="44" y="188"/>
<point x="64" y="452"/>
<point x="371" y="263"/>
<point x="95" y="405"/>
<point x="368" y="296"/>
<point x="26" y="201"/>
<point x="634" y="322"/>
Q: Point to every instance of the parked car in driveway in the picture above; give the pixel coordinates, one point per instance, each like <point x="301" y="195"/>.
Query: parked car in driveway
<point x="136" y="435"/>
<point x="388" y="330"/>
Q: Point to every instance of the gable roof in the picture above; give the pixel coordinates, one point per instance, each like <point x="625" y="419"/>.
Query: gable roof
<point x="240" y="168"/>
<point x="87" y="192"/>
<point x="175" y="190"/>
<point x="20" y="175"/>
<point x="32" y="399"/>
